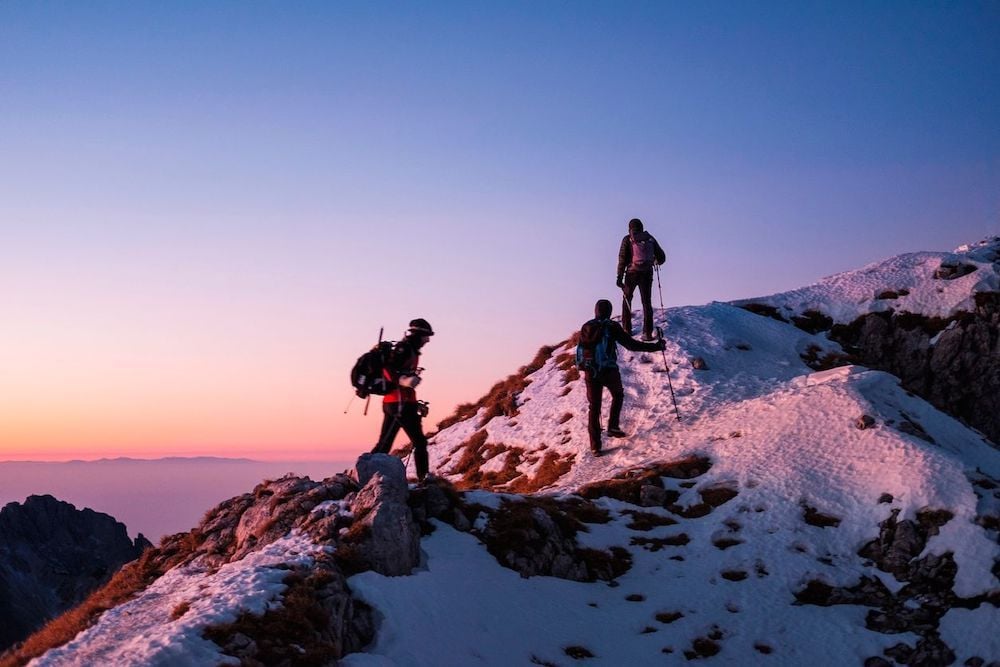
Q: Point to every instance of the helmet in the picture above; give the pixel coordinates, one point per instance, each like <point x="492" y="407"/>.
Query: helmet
<point x="420" y="327"/>
<point x="602" y="309"/>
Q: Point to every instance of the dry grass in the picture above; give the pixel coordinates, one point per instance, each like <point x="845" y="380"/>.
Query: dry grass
<point x="626" y="486"/>
<point x="180" y="610"/>
<point x="646" y="521"/>
<point x="552" y="467"/>
<point x="296" y="632"/>
<point x="501" y="399"/>
<point x="654" y="544"/>
<point x="131" y="579"/>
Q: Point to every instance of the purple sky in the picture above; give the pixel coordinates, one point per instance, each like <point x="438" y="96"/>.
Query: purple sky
<point x="207" y="211"/>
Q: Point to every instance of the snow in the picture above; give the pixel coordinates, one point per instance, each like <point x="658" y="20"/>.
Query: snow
<point x="463" y="609"/>
<point x="973" y="632"/>
<point x="784" y="437"/>
<point x="847" y="296"/>
<point x="141" y="632"/>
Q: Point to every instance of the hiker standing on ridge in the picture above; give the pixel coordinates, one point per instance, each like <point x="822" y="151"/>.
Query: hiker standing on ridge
<point x="399" y="406"/>
<point x="637" y="256"/>
<point x="597" y="357"/>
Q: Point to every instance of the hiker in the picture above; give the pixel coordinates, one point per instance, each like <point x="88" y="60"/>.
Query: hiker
<point x="638" y="255"/>
<point x="399" y="406"/>
<point x="597" y="356"/>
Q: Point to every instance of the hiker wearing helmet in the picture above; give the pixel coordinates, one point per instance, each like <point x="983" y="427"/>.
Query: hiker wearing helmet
<point x="638" y="255"/>
<point x="400" y="407"/>
<point x="597" y="357"/>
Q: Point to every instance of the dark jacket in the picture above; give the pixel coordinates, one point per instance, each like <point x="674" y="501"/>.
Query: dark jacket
<point x="625" y="253"/>
<point x="591" y="331"/>
<point x="403" y="360"/>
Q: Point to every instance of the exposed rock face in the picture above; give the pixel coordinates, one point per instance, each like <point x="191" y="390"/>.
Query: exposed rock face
<point x="52" y="555"/>
<point x="385" y="537"/>
<point x="959" y="373"/>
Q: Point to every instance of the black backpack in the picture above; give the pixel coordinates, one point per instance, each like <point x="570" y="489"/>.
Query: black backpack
<point x="366" y="376"/>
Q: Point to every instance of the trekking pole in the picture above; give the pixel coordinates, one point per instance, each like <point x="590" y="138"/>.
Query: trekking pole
<point x="659" y="332"/>
<point x="349" y="404"/>
<point x="658" y="285"/>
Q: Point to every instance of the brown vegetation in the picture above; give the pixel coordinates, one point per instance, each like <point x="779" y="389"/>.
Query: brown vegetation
<point x="298" y="631"/>
<point x="646" y="521"/>
<point x="502" y="397"/>
<point x="627" y="486"/>
<point x="654" y="544"/>
<point x="132" y="579"/>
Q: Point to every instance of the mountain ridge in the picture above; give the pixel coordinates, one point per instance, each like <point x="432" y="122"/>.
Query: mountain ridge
<point x="791" y="516"/>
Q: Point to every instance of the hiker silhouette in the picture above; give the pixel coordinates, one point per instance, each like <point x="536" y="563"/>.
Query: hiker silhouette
<point x="638" y="255"/>
<point x="400" y="408"/>
<point x="597" y="357"/>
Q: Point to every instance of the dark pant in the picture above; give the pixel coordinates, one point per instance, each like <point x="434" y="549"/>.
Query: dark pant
<point x="610" y="378"/>
<point x="644" y="281"/>
<point x="404" y="416"/>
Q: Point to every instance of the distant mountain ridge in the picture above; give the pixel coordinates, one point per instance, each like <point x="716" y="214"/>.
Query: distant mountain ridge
<point x="804" y="510"/>
<point x="52" y="555"/>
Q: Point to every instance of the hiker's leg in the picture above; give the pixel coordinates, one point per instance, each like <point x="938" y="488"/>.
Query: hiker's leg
<point x="627" y="291"/>
<point x="646" y="293"/>
<point x="613" y="381"/>
<point x="390" y="427"/>
<point x="594" y="390"/>
<point x="414" y="429"/>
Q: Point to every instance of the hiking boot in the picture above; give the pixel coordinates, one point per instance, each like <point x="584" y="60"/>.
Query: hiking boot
<point x="596" y="452"/>
<point x="617" y="433"/>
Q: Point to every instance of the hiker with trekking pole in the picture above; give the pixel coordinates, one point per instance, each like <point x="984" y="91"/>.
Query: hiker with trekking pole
<point x="638" y="256"/>
<point x="597" y="358"/>
<point x="397" y="367"/>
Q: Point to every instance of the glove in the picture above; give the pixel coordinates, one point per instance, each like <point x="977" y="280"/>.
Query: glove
<point x="620" y="282"/>
<point x="662" y="344"/>
<point x="409" y="381"/>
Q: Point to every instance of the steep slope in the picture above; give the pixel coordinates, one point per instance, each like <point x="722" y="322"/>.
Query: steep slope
<point x="791" y="516"/>
<point x="930" y="318"/>
<point x="52" y="555"/>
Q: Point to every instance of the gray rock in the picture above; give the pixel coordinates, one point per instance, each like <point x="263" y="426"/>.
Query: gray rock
<point x="369" y="464"/>
<point x="390" y="542"/>
<point x="959" y="373"/>
<point x="52" y="556"/>
<point x="865" y="422"/>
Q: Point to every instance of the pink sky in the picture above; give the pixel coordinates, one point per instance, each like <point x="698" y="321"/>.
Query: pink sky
<point x="207" y="212"/>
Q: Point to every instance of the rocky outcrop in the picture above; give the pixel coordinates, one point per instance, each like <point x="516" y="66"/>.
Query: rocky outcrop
<point x="383" y="537"/>
<point x="953" y="363"/>
<point x="918" y="606"/>
<point x="52" y="556"/>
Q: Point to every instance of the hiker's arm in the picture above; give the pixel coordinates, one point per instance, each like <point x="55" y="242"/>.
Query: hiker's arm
<point x="661" y="256"/>
<point x="624" y="258"/>
<point x="632" y="344"/>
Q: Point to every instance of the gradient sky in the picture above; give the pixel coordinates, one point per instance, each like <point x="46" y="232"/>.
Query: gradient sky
<point x="207" y="210"/>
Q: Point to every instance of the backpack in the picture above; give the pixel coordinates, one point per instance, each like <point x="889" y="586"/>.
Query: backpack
<point x="643" y="252"/>
<point x="366" y="376"/>
<point x="595" y="351"/>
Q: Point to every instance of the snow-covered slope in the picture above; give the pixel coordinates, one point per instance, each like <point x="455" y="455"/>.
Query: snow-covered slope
<point x="934" y="284"/>
<point x="790" y="517"/>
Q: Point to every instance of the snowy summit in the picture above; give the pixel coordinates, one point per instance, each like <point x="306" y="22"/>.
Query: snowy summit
<point x="808" y="507"/>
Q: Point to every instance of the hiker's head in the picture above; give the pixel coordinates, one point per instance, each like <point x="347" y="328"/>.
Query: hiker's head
<point x="602" y="309"/>
<point x="420" y="331"/>
<point x="634" y="225"/>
